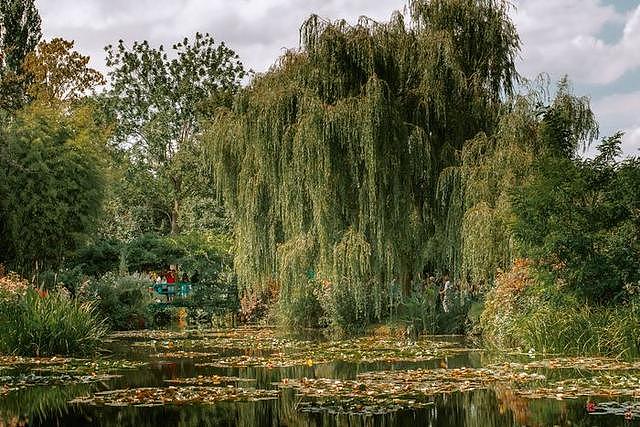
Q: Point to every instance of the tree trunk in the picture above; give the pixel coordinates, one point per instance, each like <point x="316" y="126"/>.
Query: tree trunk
<point x="175" y="210"/>
<point x="406" y="284"/>
<point x="174" y="217"/>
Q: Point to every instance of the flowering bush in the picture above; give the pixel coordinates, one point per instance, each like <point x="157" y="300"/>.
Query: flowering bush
<point x="13" y="284"/>
<point x="252" y="306"/>
<point x="536" y="312"/>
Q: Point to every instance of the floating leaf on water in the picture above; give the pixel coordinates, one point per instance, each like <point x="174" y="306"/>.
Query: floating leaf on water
<point x="406" y="388"/>
<point x="573" y="388"/>
<point x="21" y="360"/>
<point x="628" y="410"/>
<point x="182" y="354"/>
<point x="584" y="363"/>
<point x="182" y="395"/>
<point x="78" y="366"/>
<point x="12" y="383"/>
<point x="208" y="380"/>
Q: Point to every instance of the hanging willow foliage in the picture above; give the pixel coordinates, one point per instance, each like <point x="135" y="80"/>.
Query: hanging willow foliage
<point x="331" y="160"/>
<point x="493" y="167"/>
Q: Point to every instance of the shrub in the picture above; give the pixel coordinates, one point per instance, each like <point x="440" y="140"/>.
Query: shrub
<point x="582" y="219"/>
<point x="53" y="324"/>
<point x="162" y="315"/>
<point x="69" y="278"/>
<point x="51" y="184"/>
<point x="504" y="303"/>
<point x="99" y="258"/>
<point x="11" y="285"/>
<point x="420" y="310"/>
<point x="299" y="308"/>
<point x="530" y="310"/>
<point x="122" y="300"/>
<point x="349" y="307"/>
<point x="152" y="252"/>
<point x="254" y="305"/>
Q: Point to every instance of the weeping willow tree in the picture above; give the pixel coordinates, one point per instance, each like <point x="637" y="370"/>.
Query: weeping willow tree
<point x="533" y="125"/>
<point x="332" y="161"/>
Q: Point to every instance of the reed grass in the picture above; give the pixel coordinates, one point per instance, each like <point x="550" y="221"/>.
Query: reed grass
<point x="54" y="324"/>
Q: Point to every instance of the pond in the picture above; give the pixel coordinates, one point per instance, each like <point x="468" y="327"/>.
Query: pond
<point x="260" y="377"/>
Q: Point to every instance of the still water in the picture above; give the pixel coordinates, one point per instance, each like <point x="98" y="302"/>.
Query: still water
<point x="246" y="362"/>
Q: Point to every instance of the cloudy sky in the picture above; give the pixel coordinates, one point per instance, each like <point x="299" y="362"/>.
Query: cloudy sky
<point x="595" y="42"/>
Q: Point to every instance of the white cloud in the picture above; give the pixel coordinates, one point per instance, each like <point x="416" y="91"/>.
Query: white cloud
<point x="558" y="36"/>
<point x="257" y="30"/>
<point x="98" y="15"/>
<point x="620" y="107"/>
<point x="631" y="141"/>
<point x="621" y="112"/>
<point x="562" y="37"/>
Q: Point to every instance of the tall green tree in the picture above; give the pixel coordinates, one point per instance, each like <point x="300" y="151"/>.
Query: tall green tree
<point x="332" y="161"/>
<point x="581" y="219"/>
<point x="158" y="100"/>
<point x="52" y="180"/>
<point x="51" y="185"/>
<point x="19" y="34"/>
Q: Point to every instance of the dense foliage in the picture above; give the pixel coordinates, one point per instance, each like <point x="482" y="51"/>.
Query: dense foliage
<point x="122" y="300"/>
<point x="530" y="310"/>
<point x="582" y="219"/>
<point x="157" y="102"/>
<point x="333" y="162"/>
<point x="495" y="166"/>
<point x="19" y="34"/>
<point x="51" y="185"/>
<point x="346" y="186"/>
<point x="35" y="324"/>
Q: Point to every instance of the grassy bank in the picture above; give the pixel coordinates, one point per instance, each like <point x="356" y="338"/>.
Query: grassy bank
<point x="529" y="311"/>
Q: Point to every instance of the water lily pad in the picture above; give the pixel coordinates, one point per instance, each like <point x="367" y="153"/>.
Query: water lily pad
<point x="208" y="380"/>
<point x="584" y="363"/>
<point x="183" y="395"/>
<point x="83" y="366"/>
<point x="628" y="410"/>
<point x="403" y="388"/>
<point x="183" y="354"/>
<point x="36" y="361"/>
<point x="17" y="382"/>
<point x="573" y="388"/>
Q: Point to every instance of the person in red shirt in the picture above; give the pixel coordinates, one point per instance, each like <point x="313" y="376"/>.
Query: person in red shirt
<point x="171" y="284"/>
<point x="171" y="276"/>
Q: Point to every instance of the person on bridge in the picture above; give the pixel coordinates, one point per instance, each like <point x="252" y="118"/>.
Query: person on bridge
<point x="171" y="284"/>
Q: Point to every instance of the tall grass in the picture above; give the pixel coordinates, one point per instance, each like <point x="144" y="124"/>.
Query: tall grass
<point x="54" y="324"/>
<point x="581" y="330"/>
<point x="526" y="310"/>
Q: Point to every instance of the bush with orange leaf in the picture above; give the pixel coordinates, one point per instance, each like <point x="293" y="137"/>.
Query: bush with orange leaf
<point x="506" y="302"/>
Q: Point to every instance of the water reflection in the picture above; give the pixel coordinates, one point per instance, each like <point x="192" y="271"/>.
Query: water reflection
<point x="474" y="409"/>
<point x="498" y="406"/>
